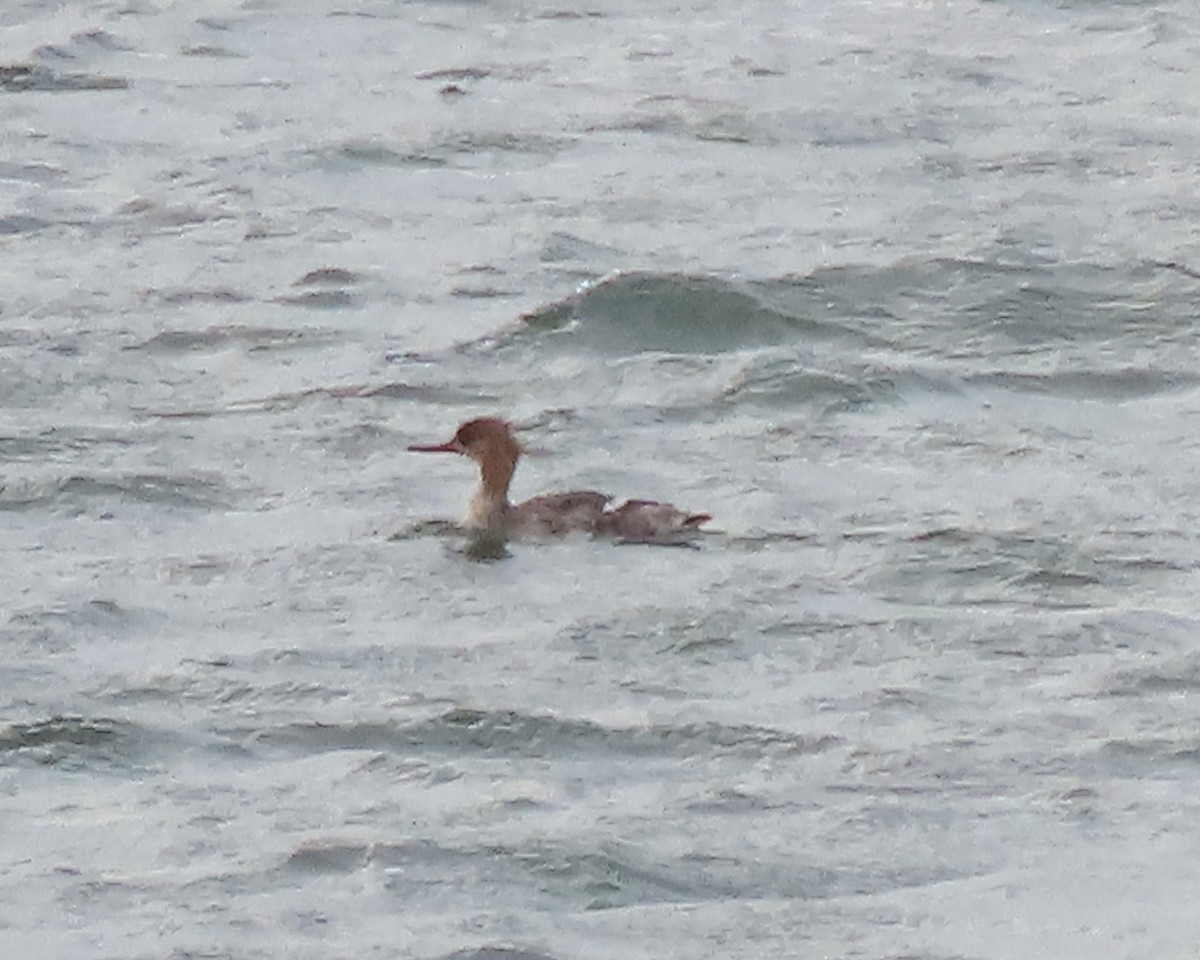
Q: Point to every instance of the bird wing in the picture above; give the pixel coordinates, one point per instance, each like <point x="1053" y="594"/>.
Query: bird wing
<point x="557" y="513"/>
<point x="649" y="521"/>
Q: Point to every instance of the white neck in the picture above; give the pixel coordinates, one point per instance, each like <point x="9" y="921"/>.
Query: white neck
<point x="486" y="511"/>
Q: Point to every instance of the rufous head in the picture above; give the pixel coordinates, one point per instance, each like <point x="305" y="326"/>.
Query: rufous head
<point x="482" y="439"/>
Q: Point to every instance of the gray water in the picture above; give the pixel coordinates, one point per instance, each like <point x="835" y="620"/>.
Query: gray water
<point x="903" y="294"/>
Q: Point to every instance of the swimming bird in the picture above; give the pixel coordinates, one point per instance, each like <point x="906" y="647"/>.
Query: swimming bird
<point x="491" y="443"/>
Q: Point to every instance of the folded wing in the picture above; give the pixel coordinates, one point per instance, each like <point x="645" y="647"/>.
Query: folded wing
<point x="649" y="521"/>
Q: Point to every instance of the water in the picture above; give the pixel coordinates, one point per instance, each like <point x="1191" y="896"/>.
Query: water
<point x="903" y="294"/>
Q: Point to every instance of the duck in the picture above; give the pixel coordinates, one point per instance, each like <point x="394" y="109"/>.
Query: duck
<point x="492" y="444"/>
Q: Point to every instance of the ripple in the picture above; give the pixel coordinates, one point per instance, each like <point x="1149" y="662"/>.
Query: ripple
<point x="612" y="876"/>
<point x="192" y="492"/>
<point x="319" y="300"/>
<point x="1126" y="384"/>
<point x="455" y="73"/>
<point x="1149" y="757"/>
<point x="169" y="217"/>
<point x="186" y="295"/>
<point x="356" y="391"/>
<point x="508" y="733"/>
<point x="1161" y="679"/>
<point x="75" y="743"/>
<point x="457" y="148"/>
<point x="210" y="50"/>
<point x="70" y="730"/>
<point x="38" y="637"/>
<point x="23" y="78"/>
<point x="220" y="336"/>
<point x="54" y="444"/>
<point x="327" y="275"/>
<point x="961" y="566"/>
<point x="32" y="172"/>
<point x="18" y="223"/>
<point x="497" y="953"/>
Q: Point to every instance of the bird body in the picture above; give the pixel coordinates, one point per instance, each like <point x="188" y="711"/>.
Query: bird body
<point x="490" y="442"/>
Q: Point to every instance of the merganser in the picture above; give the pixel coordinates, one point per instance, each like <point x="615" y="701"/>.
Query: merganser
<point x="490" y="442"/>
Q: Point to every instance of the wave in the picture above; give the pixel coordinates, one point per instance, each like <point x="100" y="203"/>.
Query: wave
<point x="510" y="733"/>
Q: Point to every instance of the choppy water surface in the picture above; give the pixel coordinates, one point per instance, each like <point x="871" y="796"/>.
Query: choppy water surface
<point x="903" y="294"/>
